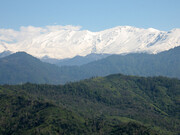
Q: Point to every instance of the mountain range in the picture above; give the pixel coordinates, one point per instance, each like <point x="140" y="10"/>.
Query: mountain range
<point x="21" y="67"/>
<point x="109" y="98"/>
<point x="60" y="42"/>
<point x="75" y="61"/>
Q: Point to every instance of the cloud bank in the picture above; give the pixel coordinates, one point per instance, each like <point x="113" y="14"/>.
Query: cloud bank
<point x="24" y="33"/>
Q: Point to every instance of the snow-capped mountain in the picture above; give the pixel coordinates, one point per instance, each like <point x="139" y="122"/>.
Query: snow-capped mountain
<point x="68" y="41"/>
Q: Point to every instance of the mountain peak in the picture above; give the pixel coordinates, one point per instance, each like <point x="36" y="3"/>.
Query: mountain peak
<point x="64" y="43"/>
<point x="21" y="56"/>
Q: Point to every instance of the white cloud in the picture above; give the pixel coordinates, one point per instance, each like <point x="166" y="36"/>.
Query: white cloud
<point x="10" y="35"/>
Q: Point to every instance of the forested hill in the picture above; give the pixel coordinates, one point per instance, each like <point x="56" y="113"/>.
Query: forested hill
<point x="117" y="104"/>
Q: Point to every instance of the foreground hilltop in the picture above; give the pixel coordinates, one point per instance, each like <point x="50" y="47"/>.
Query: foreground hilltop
<point x="116" y="104"/>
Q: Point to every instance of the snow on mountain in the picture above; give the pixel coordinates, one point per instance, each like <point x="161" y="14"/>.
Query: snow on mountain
<point x="68" y="41"/>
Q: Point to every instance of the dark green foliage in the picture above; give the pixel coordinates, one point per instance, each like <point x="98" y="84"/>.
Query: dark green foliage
<point x="131" y="129"/>
<point x="115" y="100"/>
<point x="21" y="113"/>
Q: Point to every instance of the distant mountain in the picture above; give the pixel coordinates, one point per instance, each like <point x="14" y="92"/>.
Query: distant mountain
<point x="75" y="61"/>
<point x="5" y="53"/>
<point x="21" y="67"/>
<point x="68" y="42"/>
<point x="162" y="64"/>
<point x="165" y="64"/>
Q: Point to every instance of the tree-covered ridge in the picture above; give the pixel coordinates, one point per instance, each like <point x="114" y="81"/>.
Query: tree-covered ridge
<point x="152" y="101"/>
<point x="20" y="113"/>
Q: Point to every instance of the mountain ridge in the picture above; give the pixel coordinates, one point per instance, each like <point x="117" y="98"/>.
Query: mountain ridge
<point x="152" y="101"/>
<point x="63" y="43"/>
<point x="17" y="68"/>
<point x="75" y="61"/>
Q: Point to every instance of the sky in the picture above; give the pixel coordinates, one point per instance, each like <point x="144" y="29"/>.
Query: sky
<point x="93" y="15"/>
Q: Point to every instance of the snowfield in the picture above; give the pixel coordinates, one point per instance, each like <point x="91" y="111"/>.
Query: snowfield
<point x="68" y="41"/>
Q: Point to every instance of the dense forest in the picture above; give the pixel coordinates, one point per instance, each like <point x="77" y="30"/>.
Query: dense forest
<point x="116" y="104"/>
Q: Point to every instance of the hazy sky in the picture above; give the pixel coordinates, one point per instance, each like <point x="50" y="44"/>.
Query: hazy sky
<point x="94" y="15"/>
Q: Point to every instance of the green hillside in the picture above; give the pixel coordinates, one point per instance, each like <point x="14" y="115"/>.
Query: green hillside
<point x="21" y="113"/>
<point x="151" y="103"/>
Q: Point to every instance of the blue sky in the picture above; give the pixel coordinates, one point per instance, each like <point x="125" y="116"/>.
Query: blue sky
<point x="94" y="15"/>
